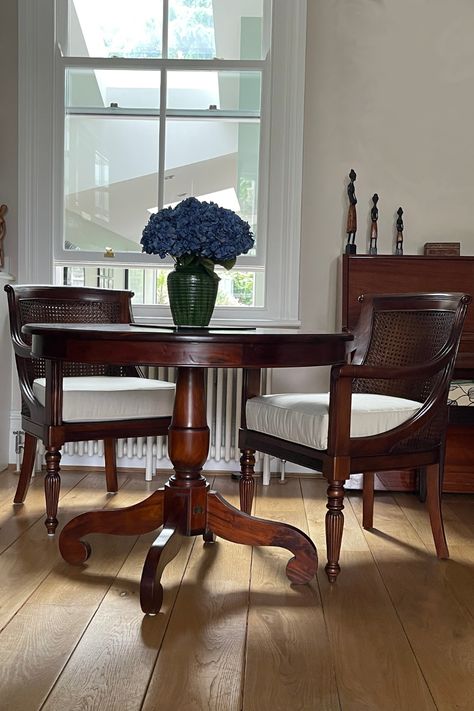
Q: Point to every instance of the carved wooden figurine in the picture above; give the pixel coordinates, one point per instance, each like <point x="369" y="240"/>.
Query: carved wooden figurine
<point x="399" y="242"/>
<point x="351" y="227"/>
<point x="3" y="229"/>
<point x="374" y="216"/>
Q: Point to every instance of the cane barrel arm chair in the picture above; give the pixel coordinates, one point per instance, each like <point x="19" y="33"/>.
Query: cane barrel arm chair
<point x="386" y="408"/>
<point x="98" y="401"/>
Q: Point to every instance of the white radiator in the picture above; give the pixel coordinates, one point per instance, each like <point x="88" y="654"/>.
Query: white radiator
<point x="224" y="397"/>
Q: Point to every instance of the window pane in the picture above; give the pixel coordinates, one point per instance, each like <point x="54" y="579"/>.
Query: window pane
<point x="115" y="28"/>
<point x="226" y="91"/>
<point x="106" y="88"/>
<point x="204" y="29"/>
<point x="215" y="161"/>
<point x="111" y="181"/>
<point x="236" y="288"/>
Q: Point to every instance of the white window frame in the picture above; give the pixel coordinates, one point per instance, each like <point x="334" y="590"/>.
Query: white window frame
<point x="41" y="107"/>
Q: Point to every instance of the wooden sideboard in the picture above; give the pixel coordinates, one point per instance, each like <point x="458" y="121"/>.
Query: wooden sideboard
<point x="384" y="274"/>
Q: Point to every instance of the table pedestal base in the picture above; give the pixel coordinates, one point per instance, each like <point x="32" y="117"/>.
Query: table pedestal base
<point x="186" y="511"/>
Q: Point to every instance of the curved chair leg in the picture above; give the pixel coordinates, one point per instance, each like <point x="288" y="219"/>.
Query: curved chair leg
<point x="433" y="500"/>
<point x="26" y="469"/>
<point x="368" y="499"/>
<point x="110" y="459"/>
<point x="52" y="485"/>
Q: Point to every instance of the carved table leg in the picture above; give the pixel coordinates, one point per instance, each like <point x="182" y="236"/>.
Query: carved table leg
<point x="52" y="484"/>
<point x="334" y="528"/>
<point x="234" y="525"/>
<point x="140" y="518"/>
<point x="186" y="507"/>
<point x="247" y="481"/>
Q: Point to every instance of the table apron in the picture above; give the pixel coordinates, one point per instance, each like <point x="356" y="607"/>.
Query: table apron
<point x="277" y="354"/>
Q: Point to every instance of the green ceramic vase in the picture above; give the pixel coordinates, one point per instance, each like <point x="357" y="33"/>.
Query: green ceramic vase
<point x="192" y="295"/>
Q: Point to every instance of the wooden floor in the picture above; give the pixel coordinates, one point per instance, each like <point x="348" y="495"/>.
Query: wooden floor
<point x="395" y="632"/>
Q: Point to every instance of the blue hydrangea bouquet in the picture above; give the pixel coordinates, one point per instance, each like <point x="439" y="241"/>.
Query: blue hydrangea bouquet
<point x="197" y="234"/>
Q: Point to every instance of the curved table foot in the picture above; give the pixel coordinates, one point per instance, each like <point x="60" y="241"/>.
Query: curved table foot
<point x="234" y="525"/>
<point x="140" y="518"/>
<point x="163" y="550"/>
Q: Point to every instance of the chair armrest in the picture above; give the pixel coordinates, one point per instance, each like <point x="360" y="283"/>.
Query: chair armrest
<point x="371" y="372"/>
<point x="340" y="403"/>
<point x="21" y="349"/>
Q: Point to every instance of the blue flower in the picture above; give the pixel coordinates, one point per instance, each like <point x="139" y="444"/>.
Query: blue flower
<point x="196" y="232"/>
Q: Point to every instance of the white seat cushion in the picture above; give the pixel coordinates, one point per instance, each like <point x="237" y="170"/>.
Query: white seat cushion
<point x="303" y="417"/>
<point x="98" y="398"/>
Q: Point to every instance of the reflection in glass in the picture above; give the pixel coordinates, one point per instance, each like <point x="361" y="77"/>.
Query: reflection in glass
<point x="111" y="168"/>
<point x="106" y="88"/>
<point x="215" y="161"/>
<point x="115" y="28"/>
<point x="204" y="29"/>
<point x="226" y="91"/>
<point x="197" y="29"/>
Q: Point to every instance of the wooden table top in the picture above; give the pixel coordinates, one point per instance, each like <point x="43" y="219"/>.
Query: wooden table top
<point x="150" y="345"/>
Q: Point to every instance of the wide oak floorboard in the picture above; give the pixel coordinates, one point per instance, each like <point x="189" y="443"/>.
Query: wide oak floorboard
<point x="200" y="665"/>
<point x="375" y="665"/>
<point x="439" y="628"/>
<point x="287" y="665"/>
<point x="396" y="631"/>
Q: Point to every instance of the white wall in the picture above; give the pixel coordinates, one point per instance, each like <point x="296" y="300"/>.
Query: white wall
<point x="389" y="93"/>
<point x="8" y="128"/>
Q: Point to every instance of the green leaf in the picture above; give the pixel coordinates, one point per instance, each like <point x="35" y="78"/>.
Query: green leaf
<point x="187" y="260"/>
<point x="227" y="263"/>
<point x="209" y="266"/>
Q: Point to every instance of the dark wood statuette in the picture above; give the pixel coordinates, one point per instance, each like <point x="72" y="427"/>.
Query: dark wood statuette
<point x="374" y="216"/>
<point x="351" y="227"/>
<point x="399" y="238"/>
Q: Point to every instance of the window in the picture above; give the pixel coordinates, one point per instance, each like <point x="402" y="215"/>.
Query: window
<point x="153" y="101"/>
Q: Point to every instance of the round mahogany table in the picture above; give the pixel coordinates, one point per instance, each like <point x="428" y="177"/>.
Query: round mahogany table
<point x="185" y="506"/>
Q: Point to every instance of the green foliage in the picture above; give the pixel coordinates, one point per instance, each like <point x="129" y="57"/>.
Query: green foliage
<point x="161" y="288"/>
<point x="242" y="288"/>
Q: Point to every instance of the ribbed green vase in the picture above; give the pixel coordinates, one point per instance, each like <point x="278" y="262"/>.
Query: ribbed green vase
<point x="192" y="295"/>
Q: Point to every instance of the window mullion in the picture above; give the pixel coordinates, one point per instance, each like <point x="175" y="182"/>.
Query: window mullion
<point x="163" y="102"/>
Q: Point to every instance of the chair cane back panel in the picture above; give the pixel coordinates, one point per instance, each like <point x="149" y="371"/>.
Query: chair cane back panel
<point x="402" y="338"/>
<point x="411" y="337"/>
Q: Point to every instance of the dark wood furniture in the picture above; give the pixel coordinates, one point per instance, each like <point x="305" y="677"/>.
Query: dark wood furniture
<point x="382" y="274"/>
<point x="3" y="231"/>
<point x="185" y="506"/>
<point x="404" y="347"/>
<point x="49" y="304"/>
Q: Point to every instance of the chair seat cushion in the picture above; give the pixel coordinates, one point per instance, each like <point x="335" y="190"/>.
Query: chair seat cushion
<point x="105" y="398"/>
<point x="303" y="417"/>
